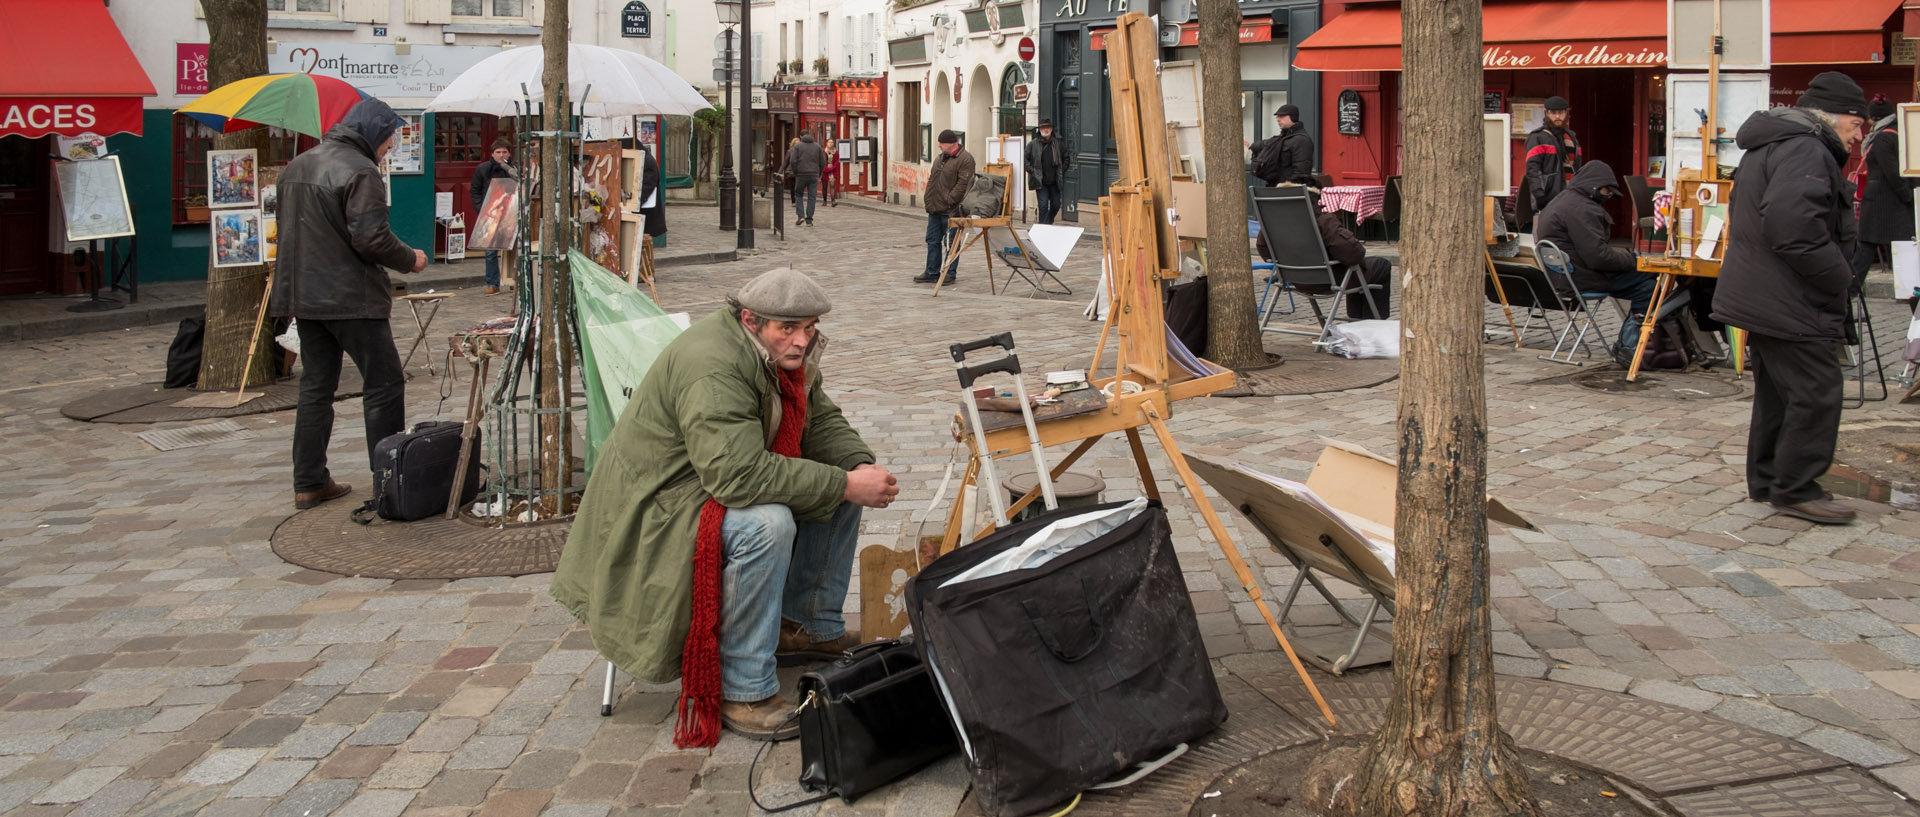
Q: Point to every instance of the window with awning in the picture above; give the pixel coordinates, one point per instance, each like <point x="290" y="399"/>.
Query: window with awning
<point x="1601" y="34"/>
<point x="65" y="69"/>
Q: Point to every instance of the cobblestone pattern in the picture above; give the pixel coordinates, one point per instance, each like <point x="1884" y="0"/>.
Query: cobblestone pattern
<point x="155" y="657"/>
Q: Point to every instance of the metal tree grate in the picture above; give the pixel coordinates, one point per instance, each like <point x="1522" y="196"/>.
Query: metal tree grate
<point x="169" y="439"/>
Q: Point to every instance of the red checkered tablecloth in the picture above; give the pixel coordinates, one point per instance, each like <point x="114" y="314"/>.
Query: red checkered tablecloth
<point x="1362" y="200"/>
<point x="1662" y="202"/>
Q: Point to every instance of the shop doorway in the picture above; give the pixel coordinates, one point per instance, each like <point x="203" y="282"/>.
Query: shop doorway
<point x="461" y="141"/>
<point x="23" y="216"/>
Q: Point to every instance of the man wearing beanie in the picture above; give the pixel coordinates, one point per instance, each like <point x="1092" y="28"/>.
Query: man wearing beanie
<point x="1553" y="155"/>
<point x="334" y="241"/>
<point x="947" y="187"/>
<point x="1785" y="280"/>
<point x="1886" y="197"/>
<point x="717" y="532"/>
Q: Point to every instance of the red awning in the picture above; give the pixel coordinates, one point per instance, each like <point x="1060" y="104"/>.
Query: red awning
<point x="1599" y="34"/>
<point x="65" y="69"/>
<point x="1258" y="30"/>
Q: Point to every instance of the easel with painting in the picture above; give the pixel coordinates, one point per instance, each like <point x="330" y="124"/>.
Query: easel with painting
<point x="982" y="224"/>
<point x="1149" y="378"/>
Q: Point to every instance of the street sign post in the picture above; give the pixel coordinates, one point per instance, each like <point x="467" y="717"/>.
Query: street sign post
<point x="1026" y="48"/>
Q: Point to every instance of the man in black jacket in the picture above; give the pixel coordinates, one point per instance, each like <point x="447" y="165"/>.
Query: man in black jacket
<point x="1287" y="157"/>
<point x="1578" y="224"/>
<point x="1886" y="202"/>
<point x="1553" y="155"/>
<point x="1047" y="163"/>
<point x="334" y="241"/>
<point x="1785" y="280"/>
<point x="805" y="162"/>
<point x="498" y="167"/>
<point x="947" y="185"/>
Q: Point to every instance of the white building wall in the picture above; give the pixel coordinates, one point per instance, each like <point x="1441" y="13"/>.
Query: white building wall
<point x="960" y="63"/>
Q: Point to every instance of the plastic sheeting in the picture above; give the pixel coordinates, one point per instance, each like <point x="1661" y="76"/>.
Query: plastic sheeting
<point x="622" y="331"/>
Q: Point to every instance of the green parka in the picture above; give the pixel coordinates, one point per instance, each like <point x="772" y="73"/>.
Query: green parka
<point x="698" y="426"/>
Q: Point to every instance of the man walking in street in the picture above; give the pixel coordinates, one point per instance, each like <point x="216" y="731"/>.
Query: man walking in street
<point x="946" y="188"/>
<point x="804" y="163"/>
<point x="1579" y="225"/>
<point x="1287" y="157"/>
<point x="498" y="167"/>
<point x="718" y="531"/>
<point x="334" y="240"/>
<point x="1553" y="155"/>
<point x="1785" y="280"/>
<point x="1047" y="163"/>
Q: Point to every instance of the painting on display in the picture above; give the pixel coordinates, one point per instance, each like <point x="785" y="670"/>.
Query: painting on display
<point x="600" y="203"/>
<point x="270" y="228"/>
<point x="233" y="178"/>
<point x="498" y="222"/>
<point x="270" y="189"/>
<point x="93" y="199"/>
<point x="238" y="238"/>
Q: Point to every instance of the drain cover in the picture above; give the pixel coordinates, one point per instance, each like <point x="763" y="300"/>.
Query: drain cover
<point x="168" y="439"/>
<point x="1670" y="385"/>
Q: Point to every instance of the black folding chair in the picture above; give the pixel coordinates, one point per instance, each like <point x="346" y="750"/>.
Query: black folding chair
<point x="1292" y="238"/>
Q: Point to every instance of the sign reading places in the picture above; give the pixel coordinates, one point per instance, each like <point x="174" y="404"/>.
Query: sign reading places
<point x="414" y="78"/>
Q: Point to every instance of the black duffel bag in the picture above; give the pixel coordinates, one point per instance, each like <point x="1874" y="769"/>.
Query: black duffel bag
<point x="1070" y="673"/>
<point x="415" y="473"/>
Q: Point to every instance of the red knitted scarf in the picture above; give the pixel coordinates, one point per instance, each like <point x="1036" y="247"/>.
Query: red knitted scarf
<point x="698" y="723"/>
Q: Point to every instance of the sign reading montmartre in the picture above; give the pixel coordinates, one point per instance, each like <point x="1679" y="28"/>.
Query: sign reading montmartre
<point x="415" y="77"/>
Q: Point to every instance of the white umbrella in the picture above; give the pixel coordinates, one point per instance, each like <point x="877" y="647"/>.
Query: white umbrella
<point x="616" y="83"/>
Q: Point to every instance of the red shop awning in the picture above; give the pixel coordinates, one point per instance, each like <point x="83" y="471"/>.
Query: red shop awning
<point x="1599" y="34"/>
<point x="1257" y="30"/>
<point x="65" y="69"/>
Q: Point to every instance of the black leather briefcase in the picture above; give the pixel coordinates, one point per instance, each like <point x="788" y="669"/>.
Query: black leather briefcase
<point x="869" y="718"/>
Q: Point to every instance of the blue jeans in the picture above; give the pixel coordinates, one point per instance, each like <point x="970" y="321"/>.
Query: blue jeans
<point x="937" y="236"/>
<point x="777" y="568"/>
<point x="1636" y="288"/>
<point x="1049" y="202"/>
<point x="493" y="268"/>
<point x="805" y="191"/>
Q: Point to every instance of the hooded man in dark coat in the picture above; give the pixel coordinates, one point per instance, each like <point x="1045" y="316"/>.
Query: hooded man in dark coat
<point x="334" y="243"/>
<point x="1577" y="223"/>
<point x="1785" y="280"/>
<point x="1286" y="157"/>
<point x="1886" y="197"/>
<point x="1553" y="155"/>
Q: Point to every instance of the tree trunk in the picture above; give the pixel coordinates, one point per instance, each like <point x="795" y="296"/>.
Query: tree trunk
<point x="1440" y="751"/>
<point x="555" y="350"/>
<point x="1233" y="336"/>
<point x="236" y="49"/>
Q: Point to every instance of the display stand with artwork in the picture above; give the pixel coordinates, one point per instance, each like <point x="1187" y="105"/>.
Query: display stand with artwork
<point x="93" y="208"/>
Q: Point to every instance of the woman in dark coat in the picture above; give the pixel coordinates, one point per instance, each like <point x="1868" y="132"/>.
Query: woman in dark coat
<point x="1886" y="203"/>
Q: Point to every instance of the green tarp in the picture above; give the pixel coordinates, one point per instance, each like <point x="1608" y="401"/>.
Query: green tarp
<point x="621" y="332"/>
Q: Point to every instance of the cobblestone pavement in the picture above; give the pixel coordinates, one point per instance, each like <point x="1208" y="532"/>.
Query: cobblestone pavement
<point x="156" y="658"/>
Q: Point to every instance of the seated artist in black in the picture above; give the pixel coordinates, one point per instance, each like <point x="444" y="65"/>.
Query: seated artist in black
<point x="1576" y="221"/>
<point x="1344" y="250"/>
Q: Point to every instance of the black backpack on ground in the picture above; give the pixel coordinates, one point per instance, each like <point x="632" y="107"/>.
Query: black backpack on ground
<point x="183" y="355"/>
<point x="1671" y="347"/>
<point x="415" y="473"/>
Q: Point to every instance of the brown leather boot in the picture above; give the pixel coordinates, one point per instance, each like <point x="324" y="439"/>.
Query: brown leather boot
<point x="1824" y="511"/>
<point x="796" y="644"/>
<point x="768" y="719"/>
<point x="303" y="500"/>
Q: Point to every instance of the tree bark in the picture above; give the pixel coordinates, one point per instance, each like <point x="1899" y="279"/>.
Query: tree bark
<point x="555" y="349"/>
<point x="236" y="49"/>
<point x="1233" y="336"/>
<point x="1440" y="751"/>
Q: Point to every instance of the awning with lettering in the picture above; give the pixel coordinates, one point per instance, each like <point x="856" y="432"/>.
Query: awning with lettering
<point x="1256" y="30"/>
<point x="1600" y="34"/>
<point x="65" y="69"/>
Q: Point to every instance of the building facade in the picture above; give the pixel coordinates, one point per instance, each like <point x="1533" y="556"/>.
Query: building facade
<point x="955" y="65"/>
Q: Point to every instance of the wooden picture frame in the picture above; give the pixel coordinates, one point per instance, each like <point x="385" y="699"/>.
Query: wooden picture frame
<point x="1907" y="116"/>
<point x="1496" y="153"/>
<point x="233" y="178"/>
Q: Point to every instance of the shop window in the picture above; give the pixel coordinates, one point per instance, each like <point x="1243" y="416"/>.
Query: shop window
<point x="911" y="129"/>
<point x="459" y="138"/>
<point x="1013" y="112"/>
<point x="491" y="9"/>
<point x="305" y="6"/>
<point x="192" y="140"/>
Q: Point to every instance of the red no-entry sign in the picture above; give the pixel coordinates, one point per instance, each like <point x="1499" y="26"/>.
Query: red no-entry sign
<point x="1026" y="48"/>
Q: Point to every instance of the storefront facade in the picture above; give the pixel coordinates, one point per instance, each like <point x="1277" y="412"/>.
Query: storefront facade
<point x="956" y="66"/>
<point x="863" y="119"/>
<point x="1606" y="57"/>
<point x="1072" y="81"/>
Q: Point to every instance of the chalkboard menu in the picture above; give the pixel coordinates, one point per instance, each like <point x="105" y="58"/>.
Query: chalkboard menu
<point x="1349" y="111"/>
<point x="1493" y="101"/>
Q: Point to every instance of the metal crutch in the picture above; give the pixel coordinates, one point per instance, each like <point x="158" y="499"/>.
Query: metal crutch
<point x="968" y="374"/>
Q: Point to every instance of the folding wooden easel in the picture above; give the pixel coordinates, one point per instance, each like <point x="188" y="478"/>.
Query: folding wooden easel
<point x="1140" y="253"/>
<point x="983" y="224"/>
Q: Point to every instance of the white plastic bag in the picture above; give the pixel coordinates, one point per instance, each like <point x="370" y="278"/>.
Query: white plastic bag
<point x="1364" y="339"/>
<point x="290" y="339"/>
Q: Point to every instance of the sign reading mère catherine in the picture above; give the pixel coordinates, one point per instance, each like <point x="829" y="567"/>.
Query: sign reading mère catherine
<point x="1624" y="54"/>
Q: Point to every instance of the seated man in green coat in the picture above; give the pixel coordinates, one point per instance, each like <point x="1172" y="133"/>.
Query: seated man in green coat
<point x="718" y="529"/>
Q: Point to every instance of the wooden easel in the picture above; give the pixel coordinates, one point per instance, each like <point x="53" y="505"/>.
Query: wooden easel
<point x="1140" y="253"/>
<point x="983" y="223"/>
<point x="1488" y="239"/>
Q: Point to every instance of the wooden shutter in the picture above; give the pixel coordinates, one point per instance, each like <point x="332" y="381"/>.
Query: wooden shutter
<point x="364" y="11"/>
<point x="429" y="11"/>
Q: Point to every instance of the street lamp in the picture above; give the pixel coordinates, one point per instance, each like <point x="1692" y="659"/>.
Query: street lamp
<point x="741" y="12"/>
<point x="725" y="72"/>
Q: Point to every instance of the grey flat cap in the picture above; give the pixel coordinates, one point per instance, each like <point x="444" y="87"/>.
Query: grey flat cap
<point x="783" y="295"/>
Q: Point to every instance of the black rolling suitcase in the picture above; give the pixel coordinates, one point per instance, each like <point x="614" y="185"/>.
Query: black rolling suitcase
<point x="415" y="473"/>
<point x="1070" y="673"/>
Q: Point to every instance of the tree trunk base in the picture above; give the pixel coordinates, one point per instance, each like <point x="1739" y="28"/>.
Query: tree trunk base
<point x="1380" y="781"/>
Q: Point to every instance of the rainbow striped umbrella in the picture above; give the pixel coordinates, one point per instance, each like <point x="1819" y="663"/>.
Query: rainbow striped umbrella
<point x="298" y="102"/>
